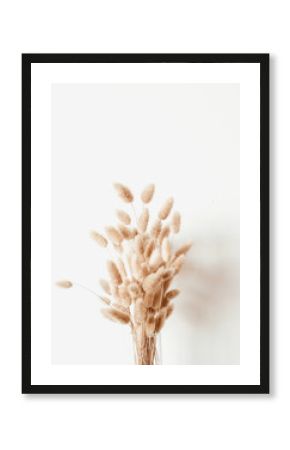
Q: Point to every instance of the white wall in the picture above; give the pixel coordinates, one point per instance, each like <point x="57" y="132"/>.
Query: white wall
<point x="206" y="422"/>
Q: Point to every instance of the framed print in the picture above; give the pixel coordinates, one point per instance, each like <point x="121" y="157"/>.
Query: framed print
<point x="145" y="223"/>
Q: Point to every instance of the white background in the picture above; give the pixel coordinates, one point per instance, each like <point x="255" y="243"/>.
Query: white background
<point x="184" y="137"/>
<point x="88" y="421"/>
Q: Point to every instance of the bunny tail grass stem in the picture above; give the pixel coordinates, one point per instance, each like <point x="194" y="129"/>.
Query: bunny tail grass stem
<point x="88" y="290"/>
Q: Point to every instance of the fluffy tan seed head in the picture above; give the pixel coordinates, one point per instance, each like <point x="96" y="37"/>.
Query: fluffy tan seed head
<point x="148" y="299"/>
<point x="172" y="294"/>
<point x="151" y="282"/>
<point x="169" y="310"/>
<point x="167" y="274"/>
<point x="122" y="269"/>
<point x="166" y="208"/>
<point x="150" y="326"/>
<point x="143" y="221"/>
<point x="123" y="217"/>
<point x="124" y="231"/>
<point x="165" y="250"/>
<point x="164" y="302"/>
<point x="164" y="233"/>
<point x="139" y="246"/>
<point x="140" y="311"/>
<point x="133" y="232"/>
<point x="149" y="248"/>
<point x="177" y="263"/>
<point x="114" y="273"/>
<point x="183" y="249"/>
<point x="175" y="223"/>
<point x="114" y="235"/>
<point x="99" y="238"/>
<point x="65" y="284"/>
<point x="155" y="260"/>
<point x="157" y="299"/>
<point x="116" y="315"/>
<point x="160" y="319"/>
<point x="134" y="290"/>
<point x="167" y="282"/>
<point x="105" y="286"/>
<point x="156" y="228"/>
<point x="145" y="269"/>
<point x="124" y="296"/>
<point x="124" y="192"/>
<point x="148" y="193"/>
<point x="136" y="267"/>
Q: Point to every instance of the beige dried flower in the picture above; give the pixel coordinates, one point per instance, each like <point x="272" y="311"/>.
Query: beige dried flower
<point x="121" y="269"/>
<point x="139" y="246"/>
<point x="160" y="319"/>
<point x="164" y="233"/>
<point x="113" y="234"/>
<point x="140" y="311"/>
<point x="99" y="238"/>
<point x="124" y="192"/>
<point x="148" y="193"/>
<point x="166" y="208"/>
<point x="136" y="267"/>
<point x="65" y="284"/>
<point x="175" y="223"/>
<point x="151" y="282"/>
<point x="157" y="299"/>
<point x="124" y="231"/>
<point x="123" y="217"/>
<point x="134" y="290"/>
<point x="155" y="260"/>
<point x="133" y="233"/>
<point x="183" y="249"/>
<point x="124" y="295"/>
<point x="168" y="273"/>
<point x="150" y="326"/>
<point x="116" y="315"/>
<point x="177" y="263"/>
<point x="172" y="294"/>
<point x="143" y="221"/>
<point x="149" y="248"/>
<point x="114" y="273"/>
<point x="169" y="310"/>
<point x="148" y="299"/>
<point x="156" y="228"/>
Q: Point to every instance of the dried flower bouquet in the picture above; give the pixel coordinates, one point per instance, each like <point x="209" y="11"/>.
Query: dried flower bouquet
<point x="138" y="292"/>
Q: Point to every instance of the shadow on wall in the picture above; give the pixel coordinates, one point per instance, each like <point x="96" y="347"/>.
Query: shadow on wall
<point x="208" y="309"/>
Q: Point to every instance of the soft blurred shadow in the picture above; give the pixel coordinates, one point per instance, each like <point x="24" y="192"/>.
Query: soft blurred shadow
<point x="207" y="312"/>
<point x="210" y="280"/>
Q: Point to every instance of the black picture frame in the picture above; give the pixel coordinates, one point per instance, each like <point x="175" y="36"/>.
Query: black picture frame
<point x="263" y="60"/>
